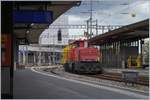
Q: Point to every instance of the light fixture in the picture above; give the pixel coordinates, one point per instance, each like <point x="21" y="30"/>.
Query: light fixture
<point x="27" y="31"/>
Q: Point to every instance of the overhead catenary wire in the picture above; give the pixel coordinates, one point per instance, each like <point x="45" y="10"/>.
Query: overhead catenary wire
<point x="128" y="7"/>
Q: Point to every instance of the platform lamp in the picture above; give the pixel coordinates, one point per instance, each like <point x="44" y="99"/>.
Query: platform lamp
<point x="26" y="42"/>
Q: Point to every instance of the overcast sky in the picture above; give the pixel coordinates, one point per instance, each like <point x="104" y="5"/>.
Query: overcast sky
<point x="109" y="12"/>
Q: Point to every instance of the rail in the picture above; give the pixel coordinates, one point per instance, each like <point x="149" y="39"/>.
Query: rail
<point x="142" y="80"/>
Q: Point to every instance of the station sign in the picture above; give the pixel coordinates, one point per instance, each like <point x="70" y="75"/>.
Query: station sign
<point x="32" y="16"/>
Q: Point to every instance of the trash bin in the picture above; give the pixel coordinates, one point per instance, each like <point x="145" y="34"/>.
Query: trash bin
<point x="130" y="77"/>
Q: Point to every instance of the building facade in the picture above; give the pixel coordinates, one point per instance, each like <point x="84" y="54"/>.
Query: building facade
<point x="50" y="47"/>
<point x="37" y="55"/>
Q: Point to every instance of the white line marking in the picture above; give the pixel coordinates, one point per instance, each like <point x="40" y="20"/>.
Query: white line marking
<point x="132" y="94"/>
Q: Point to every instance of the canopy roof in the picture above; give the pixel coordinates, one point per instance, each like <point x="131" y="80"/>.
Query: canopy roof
<point x="31" y="32"/>
<point x="130" y="32"/>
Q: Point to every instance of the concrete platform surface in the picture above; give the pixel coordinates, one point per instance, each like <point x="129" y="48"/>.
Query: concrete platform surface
<point x="31" y="85"/>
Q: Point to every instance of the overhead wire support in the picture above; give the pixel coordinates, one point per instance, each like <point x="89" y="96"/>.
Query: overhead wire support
<point x="99" y="27"/>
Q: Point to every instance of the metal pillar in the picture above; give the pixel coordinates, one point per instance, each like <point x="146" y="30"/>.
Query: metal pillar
<point x="39" y="58"/>
<point x="24" y="58"/>
<point x="96" y="27"/>
<point x="141" y="42"/>
<point x="34" y="58"/>
<point x="15" y="49"/>
<point x="49" y="58"/>
<point x="88" y="27"/>
<point x="44" y="58"/>
<point x="7" y="62"/>
<point x="91" y="18"/>
<point x="106" y="54"/>
<point x="54" y="56"/>
<point x="19" y="57"/>
<point x="118" y="53"/>
<point x="103" y="27"/>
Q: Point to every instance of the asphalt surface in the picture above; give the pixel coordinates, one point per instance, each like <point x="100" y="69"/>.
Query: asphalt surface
<point x="32" y="85"/>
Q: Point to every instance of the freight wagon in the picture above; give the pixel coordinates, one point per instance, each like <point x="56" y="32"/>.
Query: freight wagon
<point x="79" y="58"/>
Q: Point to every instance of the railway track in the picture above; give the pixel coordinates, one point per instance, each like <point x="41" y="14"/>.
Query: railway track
<point x="118" y="77"/>
<point x="112" y="76"/>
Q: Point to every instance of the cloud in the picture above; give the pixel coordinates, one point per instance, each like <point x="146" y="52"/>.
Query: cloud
<point x="74" y="19"/>
<point x="108" y="13"/>
<point x="114" y="16"/>
<point x="142" y="9"/>
<point x="77" y="31"/>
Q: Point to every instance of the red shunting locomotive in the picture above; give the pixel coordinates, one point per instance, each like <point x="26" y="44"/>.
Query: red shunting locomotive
<point x="79" y="58"/>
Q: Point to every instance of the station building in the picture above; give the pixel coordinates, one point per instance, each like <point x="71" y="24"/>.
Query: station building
<point x="50" y="47"/>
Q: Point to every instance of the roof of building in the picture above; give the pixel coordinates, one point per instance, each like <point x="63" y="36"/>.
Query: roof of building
<point x="130" y="32"/>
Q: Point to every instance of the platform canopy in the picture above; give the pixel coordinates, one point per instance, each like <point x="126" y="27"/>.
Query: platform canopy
<point x="30" y="32"/>
<point x="135" y="31"/>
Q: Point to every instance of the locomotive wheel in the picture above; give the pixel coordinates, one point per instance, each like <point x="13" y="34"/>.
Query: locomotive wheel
<point x="72" y="67"/>
<point x="83" y="67"/>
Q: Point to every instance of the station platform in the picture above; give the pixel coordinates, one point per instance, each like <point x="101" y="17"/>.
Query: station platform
<point x="142" y="72"/>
